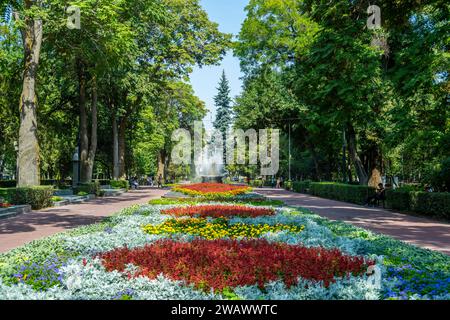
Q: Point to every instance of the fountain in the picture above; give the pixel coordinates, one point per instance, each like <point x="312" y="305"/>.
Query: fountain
<point x="211" y="168"/>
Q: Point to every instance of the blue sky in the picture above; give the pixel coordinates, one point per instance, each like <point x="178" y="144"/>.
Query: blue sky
<point x="229" y="14"/>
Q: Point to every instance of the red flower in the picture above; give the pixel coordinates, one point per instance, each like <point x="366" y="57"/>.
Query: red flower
<point x="226" y="263"/>
<point x="212" y="189"/>
<point x="217" y="211"/>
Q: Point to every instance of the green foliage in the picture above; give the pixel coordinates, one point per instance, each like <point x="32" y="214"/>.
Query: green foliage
<point x="88" y="188"/>
<point x="288" y="185"/>
<point x="139" y="52"/>
<point x="433" y="204"/>
<point x="57" y="199"/>
<point x="222" y="102"/>
<point x="398" y="199"/>
<point x="119" y="184"/>
<point x="311" y="69"/>
<point x="440" y="178"/>
<point x="8" y="183"/>
<point x="7" y="194"/>
<point x="37" y="197"/>
<point x="301" y="186"/>
<point x="341" y="192"/>
<point x="256" y="183"/>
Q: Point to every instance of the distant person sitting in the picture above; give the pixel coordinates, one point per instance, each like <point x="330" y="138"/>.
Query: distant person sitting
<point x="160" y="181"/>
<point x="135" y="183"/>
<point x="380" y="195"/>
<point x="150" y="181"/>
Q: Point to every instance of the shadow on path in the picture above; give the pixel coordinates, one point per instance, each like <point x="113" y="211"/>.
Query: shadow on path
<point x="16" y="231"/>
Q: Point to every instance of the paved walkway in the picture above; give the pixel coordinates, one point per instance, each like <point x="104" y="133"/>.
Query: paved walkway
<point x="19" y="230"/>
<point x="419" y="231"/>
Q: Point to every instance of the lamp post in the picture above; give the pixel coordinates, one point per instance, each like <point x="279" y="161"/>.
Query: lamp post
<point x="76" y="167"/>
<point x="16" y="148"/>
<point x="290" y="179"/>
<point x="344" y="158"/>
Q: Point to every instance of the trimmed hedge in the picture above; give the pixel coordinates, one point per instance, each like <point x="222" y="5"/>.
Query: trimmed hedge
<point x="7" y="194"/>
<point x="103" y="182"/>
<point x="50" y="182"/>
<point x="37" y="197"/>
<point x="398" y="199"/>
<point x="288" y="185"/>
<point x="342" y="192"/>
<point x="256" y="183"/>
<point x="8" y="183"/>
<point x="89" y="188"/>
<point x="119" y="184"/>
<point x="436" y="204"/>
<point x="301" y="186"/>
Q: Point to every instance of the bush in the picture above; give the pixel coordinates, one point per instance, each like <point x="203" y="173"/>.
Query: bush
<point x="441" y="178"/>
<point x="47" y="182"/>
<point x="288" y="185"/>
<point x="7" y="194"/>
<point x="399" y="199"/>
<point x="432" y="204"/>
<point x="57" y="198"/>
<point x="119" y="184"/>
<point x="256" y="183"/>
<point x="342" y="192"/>
<point x="8" y="183"/>
<point x="301" y="186"/>
<point x="103" y="182"/>
<point x="89" y="188"/>
<point x="37" y="197"/>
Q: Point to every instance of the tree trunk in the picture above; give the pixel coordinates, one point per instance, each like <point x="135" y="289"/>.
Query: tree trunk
<point x="353" y="150"/>
<point x="116" y="163"/>
<point x="122" y="146"/>
<point x="94" y="125"/>
<point x="84" y="138"/>
<point x="87" y="151"/>
<point x="317" y="171"/>
<point x="166" y="165"/>
<point x="28" y="153"/>
<point x="161" y="164"/>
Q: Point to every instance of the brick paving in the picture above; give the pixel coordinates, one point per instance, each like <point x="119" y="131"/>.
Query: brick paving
<point x="19" y="230"/>
<point x="422" y="232"/>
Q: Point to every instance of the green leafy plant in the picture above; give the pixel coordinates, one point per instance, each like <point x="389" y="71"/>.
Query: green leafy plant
<point x="119" y="184"/>
<point x="37" y="197"/>
<point x="57" y="199"/>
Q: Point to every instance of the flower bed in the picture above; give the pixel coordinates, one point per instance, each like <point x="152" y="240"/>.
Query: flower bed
<point x="211" y="190"/>
<point x="221" y="264"/>
<point x="262" y="257"/>
<point x="219" y="211"/>
<point x="217" y="229"/>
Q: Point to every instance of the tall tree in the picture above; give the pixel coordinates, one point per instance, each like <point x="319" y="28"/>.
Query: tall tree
<point x="224" y="110"/>
<point x="27" y="17"/>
